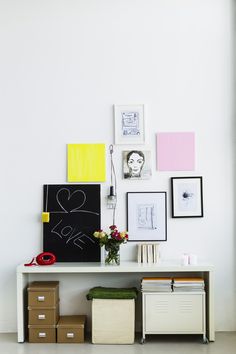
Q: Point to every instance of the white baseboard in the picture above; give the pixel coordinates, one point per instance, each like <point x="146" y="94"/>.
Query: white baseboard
<point x="7" y="327"/>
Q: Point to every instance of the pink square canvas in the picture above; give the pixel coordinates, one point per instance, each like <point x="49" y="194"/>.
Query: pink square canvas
<point x="176" y="151"/>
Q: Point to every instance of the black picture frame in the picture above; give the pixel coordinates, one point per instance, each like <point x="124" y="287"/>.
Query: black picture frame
<point x="147" y="216"/>
<point x="187" y="197"/>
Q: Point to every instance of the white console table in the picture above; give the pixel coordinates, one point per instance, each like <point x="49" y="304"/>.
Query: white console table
<point x="160" y="269"/>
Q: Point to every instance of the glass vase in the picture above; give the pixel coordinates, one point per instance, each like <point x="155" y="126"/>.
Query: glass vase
<point x="112" y="254"/>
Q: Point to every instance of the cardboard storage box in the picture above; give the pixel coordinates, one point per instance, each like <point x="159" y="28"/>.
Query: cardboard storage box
<point x="42" y="334"/>
<point x="113" y="321"/>
<point x="70" y="329"/>
<point x="43" y="315"/>
<point x="43" y="294"/>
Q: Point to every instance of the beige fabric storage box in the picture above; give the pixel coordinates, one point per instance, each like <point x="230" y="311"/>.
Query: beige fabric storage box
<point x="43" y="315"/>
<point x="70" y="329"/>
<point x="113" y="321"/>
<point x="43" y="294"/>
<point x="42" y="334"/>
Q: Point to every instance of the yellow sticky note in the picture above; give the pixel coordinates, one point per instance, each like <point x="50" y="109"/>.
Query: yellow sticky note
<point x="45" y="217"/>
<point x="86" y="163"/>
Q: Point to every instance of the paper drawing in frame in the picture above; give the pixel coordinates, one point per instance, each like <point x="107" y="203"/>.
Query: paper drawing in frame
<point x="146" y="216"/>
<point x="129" y="124"/>
<point x="136" y="164"/>
<point x="187" y="197"/>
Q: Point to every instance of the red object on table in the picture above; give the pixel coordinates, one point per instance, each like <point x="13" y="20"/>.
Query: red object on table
<point x="44" y="258"/>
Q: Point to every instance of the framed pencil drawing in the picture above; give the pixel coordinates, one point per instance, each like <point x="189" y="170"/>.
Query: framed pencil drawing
<point x="187" y="197"/>
<point x="129" y="124"/>
<point x="137" y="164"/>
<point x="146" y="216"/>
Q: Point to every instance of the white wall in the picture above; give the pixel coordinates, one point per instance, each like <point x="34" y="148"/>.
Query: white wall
<point x="63" y="64"/>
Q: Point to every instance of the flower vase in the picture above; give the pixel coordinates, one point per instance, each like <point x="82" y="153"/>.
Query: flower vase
<point x="112" y="254"/>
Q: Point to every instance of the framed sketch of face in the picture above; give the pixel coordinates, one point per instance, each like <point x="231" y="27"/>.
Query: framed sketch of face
<point x="137" y="164"/>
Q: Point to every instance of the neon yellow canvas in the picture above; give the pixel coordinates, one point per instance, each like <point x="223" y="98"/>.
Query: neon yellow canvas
<point x="86" y="163"/>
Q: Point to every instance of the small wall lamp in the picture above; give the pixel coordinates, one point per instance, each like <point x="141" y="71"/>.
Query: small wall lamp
<point x="111" y="197"/>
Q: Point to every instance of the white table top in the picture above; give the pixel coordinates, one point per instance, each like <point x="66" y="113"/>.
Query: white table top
<point x="124" y="267"/>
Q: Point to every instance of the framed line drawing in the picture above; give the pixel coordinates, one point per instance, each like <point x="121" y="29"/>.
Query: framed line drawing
<point x="187" y="197"/>
<point x="146" y="216"/>
<point x="129" y="123"/>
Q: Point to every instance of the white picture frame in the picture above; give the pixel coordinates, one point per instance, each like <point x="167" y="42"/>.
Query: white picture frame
<point x="147" y="216"/>
<point x="129" y="124"/>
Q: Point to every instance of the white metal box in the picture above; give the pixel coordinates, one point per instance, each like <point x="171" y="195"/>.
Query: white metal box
<point x="113" y="321"/>
<point x="173" y="313"/>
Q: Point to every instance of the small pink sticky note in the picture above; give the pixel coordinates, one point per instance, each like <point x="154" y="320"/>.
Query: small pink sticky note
<point x="176" y="151"/>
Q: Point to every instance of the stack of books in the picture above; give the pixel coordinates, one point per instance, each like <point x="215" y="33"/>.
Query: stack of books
<point x="156" y="284"/>
<point x="148" y="253"/>
<point x="188" y="284"/>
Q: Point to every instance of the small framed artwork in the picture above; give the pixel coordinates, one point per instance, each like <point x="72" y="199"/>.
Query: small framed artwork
<point x="137" y="164"/>
<point x="129" y="124"/>
<point x="146" y="216"/>
<point x="187" y="197"/>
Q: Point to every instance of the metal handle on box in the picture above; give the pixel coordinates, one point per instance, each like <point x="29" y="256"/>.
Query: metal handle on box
<point x="41" y="317"/>
<point x="42" y="335"/>
<point x="41" y="298"/>
<point x="70" y="335"/>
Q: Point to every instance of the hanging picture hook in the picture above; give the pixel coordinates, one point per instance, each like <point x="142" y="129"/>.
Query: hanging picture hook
<point x="111" y="149"/>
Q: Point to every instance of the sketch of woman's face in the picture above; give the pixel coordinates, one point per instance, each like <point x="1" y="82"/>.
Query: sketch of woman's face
<point x="135" y="164"/>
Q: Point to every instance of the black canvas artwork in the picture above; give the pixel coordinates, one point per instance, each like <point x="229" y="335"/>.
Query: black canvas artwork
<point x="75" y="213"/>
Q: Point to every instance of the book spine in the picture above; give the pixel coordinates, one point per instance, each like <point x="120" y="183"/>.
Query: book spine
<point x="150" y="253"/>
<point x="144" y="253"/>
<point x="139" y="253"/>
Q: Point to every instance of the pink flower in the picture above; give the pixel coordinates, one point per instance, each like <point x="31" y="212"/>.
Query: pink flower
<point x="119" y="237"/>
<point x="113" y="227"/>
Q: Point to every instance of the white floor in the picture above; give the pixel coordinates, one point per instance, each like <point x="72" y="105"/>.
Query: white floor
<point x="225" y="344"/>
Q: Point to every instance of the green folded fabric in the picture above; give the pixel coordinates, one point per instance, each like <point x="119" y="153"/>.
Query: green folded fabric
<point x="100" y="292"/>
